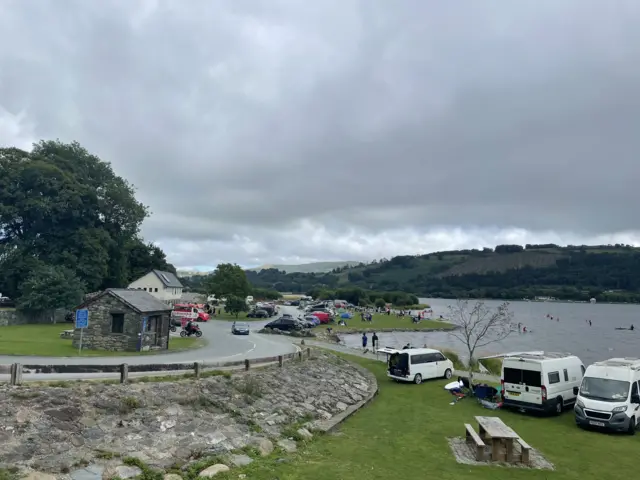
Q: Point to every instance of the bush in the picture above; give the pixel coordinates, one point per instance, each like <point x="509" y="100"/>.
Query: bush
<point x="494" y="365"/>
<point x="458" y="364"/>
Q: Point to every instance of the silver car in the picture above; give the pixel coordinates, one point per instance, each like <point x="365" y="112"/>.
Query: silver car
<point x="240" y="328"/>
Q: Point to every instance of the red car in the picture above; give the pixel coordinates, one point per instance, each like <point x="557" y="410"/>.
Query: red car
<point x="322" y="316"/>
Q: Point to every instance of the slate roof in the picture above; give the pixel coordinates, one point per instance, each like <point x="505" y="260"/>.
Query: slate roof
<point x="139" y="300"/>
<point x="168" y="279"/>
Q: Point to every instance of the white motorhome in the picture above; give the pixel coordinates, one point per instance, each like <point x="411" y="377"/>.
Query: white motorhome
<point x="540" y="381"/>
<point x="609" y="397"/>
<point x="416" y="364"/>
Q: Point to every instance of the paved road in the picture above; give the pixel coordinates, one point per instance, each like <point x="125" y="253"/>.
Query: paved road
<point x="222" y="346"/>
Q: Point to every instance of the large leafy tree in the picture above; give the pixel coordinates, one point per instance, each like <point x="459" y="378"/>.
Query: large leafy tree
<point x="62" y="206"/>
<point x="50" y="288"/>
<point x="228" y="280"/>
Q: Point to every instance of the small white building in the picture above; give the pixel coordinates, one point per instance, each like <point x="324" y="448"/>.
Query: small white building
<point x="164" y="286"/>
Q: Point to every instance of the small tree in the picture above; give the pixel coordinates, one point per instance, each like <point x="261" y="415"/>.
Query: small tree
<point x="228" y="280"/>
<point x="380" y="303"/>
<point x="479" y="326"/>
<point x="50" y="288"/>
<point x="235" y="305"/>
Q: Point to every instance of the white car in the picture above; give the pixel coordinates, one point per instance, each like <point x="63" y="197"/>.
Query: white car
<point x="417" y="364"/>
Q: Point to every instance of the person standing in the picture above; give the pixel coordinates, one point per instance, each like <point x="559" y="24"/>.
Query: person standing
<point x="364" y="340"/>
<point x="374" y="341"/>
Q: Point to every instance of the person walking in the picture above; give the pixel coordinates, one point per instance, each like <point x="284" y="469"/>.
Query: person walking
<point x="364" y="340"/>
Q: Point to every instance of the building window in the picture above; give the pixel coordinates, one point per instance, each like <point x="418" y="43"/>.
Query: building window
<point x="156" y="290"/>
<point x="117" y="323"/>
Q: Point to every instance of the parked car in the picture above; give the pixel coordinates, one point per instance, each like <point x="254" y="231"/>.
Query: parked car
<point x="609" y="396"/>
<point x="240" y="328"/>
<point x="286" y="315"/>
<point x="542" y="382"/>
<point x="285" y="324"/>
<point x="313" y="319"/>
<point x="322" y="317"/>
<point x="259" y="313"/>
<point x="6" y="302"/>
<point x="417" y="364"/>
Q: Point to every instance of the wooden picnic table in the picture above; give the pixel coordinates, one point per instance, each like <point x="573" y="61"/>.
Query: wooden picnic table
<point x="494" y="432"/>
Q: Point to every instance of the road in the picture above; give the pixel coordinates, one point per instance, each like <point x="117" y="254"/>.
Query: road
<point x="222" y="346"/>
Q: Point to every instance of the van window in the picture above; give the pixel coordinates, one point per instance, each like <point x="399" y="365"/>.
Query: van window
<point x="418" y="359"/>
<point x="634" y="389"/>
<point x="439" y="357"/>
<point x="528" y="377"/>
<point x="554" y="377"/>
<point x="566" y="375"/>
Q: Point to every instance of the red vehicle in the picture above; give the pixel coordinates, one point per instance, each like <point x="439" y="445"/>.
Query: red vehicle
<point x="322" y="316"/>
<point x="189" y="311"/>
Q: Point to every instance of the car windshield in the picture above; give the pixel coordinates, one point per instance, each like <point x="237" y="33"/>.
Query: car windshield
<point x="242" y="325"/>
<point x="604" y="389"/>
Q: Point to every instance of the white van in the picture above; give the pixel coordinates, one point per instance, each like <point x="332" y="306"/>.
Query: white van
<point x="542" y="382"/>
<point x="609" y="397"/>
<point x="416" y="364"/>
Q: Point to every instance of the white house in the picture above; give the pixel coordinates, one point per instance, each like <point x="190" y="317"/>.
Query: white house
<point x="164" y="286"/>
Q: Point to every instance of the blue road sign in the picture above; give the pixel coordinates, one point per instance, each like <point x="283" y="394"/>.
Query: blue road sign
<point x="82" y="318"/>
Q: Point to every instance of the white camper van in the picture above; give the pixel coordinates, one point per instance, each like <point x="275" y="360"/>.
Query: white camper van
<point x="609" y="397"/>
<point x="416" y="364"/>
<point x="541" y="381"/>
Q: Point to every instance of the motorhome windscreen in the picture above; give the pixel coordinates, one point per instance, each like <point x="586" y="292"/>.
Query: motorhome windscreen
<point x="517" y="376"/>
<point x="604" y="389"/>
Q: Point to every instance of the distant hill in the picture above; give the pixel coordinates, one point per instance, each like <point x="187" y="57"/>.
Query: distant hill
<point x="315" y="267"/>
<point x="574" y="272"/>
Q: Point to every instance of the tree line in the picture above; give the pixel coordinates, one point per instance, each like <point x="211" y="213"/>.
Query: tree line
<point x="68" y="225"/>
<point x="609" y="273"/>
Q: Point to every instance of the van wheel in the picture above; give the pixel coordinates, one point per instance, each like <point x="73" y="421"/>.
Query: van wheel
<point x="559" y="406"/>
<point x="448" y="373"/>
<point x="417" y="379"/>
<point x="632" y="426"/>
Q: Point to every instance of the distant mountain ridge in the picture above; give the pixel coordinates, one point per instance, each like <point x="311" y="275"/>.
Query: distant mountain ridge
<point x="314" y="267"/>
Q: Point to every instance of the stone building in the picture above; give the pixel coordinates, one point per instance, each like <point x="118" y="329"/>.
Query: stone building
<point x="125" y="320"/>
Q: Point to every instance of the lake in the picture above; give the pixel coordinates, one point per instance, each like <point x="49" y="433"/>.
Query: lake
<point x="571" y="333"/>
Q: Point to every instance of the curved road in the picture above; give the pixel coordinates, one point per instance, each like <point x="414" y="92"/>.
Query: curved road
<point x="222" y="346"/>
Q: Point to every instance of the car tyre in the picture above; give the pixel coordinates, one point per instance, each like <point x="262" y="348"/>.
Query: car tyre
<point x="417" y="379"/>
<point x="559" y="406"/>
<point x="632" y="426"/>
<point x="448" y="373"/>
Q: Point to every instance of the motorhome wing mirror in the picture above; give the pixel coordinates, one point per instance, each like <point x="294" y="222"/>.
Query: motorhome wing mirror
<point x="576" y="390"/>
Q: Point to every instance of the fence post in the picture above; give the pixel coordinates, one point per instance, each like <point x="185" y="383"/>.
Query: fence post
<point x="280" y="360"/>
<point x="124" y="373"/>
<point x="300" y="355"/>
<point x="196" y="369"/>
<point x="16" y="374"/>
<point x="246" y="364"/>
<point x="308" y="352"/>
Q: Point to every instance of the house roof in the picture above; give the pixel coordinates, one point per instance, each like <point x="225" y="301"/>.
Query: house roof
<point x="138" y="300"/>
<point x="168" y="279"/>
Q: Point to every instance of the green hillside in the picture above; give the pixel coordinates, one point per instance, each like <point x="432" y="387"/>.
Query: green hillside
<point x="606" y="272"/>
<point x="315" y="267"/>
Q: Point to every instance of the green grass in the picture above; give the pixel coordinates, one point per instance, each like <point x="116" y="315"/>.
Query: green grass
<point x="403" y="434"/>
<point x="381" y="321"/>
<point x="45" y="341"/>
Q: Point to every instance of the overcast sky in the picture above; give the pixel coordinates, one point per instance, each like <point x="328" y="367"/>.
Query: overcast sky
<point x="286" y="131"/>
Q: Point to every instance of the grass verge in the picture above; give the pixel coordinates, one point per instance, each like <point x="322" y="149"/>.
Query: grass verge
<point x="403" y="434"/>
<point x="381" y="321"/>
<point x="45" y="341"/>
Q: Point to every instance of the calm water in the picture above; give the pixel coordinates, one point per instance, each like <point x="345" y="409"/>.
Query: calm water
<point x="571" y="334"/>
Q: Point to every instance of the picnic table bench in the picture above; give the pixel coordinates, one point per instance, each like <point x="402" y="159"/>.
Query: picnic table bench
<point x="66" y="334"/>
<point x="501" y="439"/>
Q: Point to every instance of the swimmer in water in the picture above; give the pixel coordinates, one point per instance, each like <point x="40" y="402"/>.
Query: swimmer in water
<point x="524" y="329"/>
<point x="589" y="322"/>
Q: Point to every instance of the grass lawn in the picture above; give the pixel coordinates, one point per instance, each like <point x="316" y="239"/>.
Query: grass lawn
<point x="230" y="317"/>
<point x="45" y="341"/>
<point x="403" y="434"/>
<point x="380" y="321"/>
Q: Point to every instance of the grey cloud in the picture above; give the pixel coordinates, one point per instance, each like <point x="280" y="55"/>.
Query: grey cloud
<point x="248" y="117"/>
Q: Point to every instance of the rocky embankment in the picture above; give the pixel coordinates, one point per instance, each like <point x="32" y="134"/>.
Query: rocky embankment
<point x="88" y="430"/>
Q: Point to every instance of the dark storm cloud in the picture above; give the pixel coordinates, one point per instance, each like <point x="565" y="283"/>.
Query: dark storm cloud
<point x="238" y="120"/>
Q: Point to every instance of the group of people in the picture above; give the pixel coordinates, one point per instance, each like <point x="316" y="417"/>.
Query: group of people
<point x="374" y="340"/>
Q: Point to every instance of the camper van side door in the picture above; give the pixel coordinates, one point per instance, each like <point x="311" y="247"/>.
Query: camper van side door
<point x="635" y="398"/>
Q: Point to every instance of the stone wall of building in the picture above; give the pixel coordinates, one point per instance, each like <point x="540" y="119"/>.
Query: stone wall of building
<point x="98" y="335"/>
<point x="91" y="426"/>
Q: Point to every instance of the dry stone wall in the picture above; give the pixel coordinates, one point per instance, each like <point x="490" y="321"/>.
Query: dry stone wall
<point x="10" y="317"/>
<point x="86" y="429"/>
